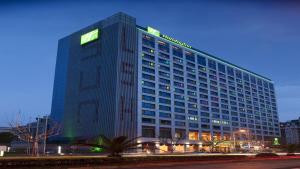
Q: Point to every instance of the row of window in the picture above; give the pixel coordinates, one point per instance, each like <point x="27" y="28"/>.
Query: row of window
<point x="201" y="60"/>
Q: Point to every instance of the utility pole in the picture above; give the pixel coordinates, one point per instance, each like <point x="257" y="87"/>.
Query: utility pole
<point x="45" y="138"/>
<point x="36" y="143"/>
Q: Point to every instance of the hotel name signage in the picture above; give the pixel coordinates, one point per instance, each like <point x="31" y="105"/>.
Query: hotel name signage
<point x="157" y="33"/>
<point x="90" y="36"/>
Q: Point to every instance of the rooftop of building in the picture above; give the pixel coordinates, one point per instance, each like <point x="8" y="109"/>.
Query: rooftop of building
<point x="203" y="53"/>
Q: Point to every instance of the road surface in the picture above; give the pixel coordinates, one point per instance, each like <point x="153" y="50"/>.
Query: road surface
<point x="253" y="164"/>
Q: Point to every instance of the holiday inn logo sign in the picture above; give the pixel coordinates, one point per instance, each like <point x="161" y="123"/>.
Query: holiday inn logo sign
<point x="90" y="36"/>
<point x="158" y="34"/>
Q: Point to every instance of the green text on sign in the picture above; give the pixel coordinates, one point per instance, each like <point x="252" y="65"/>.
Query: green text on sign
<point x="90" y="36"/>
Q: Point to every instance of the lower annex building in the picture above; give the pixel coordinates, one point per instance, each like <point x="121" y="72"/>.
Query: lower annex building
<point x="116" y="78"/>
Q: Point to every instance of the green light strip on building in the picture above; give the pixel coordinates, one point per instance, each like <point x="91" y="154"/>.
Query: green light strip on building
<point x="176" y="41"/>
<point x="90" y="36"/>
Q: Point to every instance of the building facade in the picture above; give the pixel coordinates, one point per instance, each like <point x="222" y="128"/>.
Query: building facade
<point x="117" y="78"/>
<point x="290" y="132"/>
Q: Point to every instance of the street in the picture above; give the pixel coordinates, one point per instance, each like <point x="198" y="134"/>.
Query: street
<point x="257" y="164"/>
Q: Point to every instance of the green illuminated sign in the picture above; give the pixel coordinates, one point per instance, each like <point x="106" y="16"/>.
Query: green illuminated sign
<point x="276" y="142"/>
<point x="96" y="149"/>
<point x="176" y="41"/>
<point x="153" y="31"/>
<point x="157" y="33"/>
<point x="90" y="36"/>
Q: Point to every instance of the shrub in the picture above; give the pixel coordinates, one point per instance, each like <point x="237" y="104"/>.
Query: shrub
<point x="291" y="148"/>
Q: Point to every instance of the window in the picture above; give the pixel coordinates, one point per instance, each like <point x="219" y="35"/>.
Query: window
<point x="179" y="72"/>
<point x="164" y="122"/>
<point x="253" y="79"/>
<point x="163" y="61"/>
<point x="178" y="97"/>
<point x="193" y="125"/>
<point x="164" y="94"/>
<point x="148" y="131"/>
<point x="148" y="98"/>
<point x="165" y="56"/>
<point x="177" y="66"/>
<point x="178" y="84"/>
<point x="190" y="56"/>
<point x="146" y="56"/>
<point x="148" y="120"/>
<point x="193" y="118"/>
<point x="179" y="117"/>
<point x="204" y="114"/>
<point x="149" y="77"/>
<point x="164" y="115"/>
<point x="166" y="81"/>
<point x="163" y="46"/>
<point x="148" y="84"/>
<point x="179" y="110"/>
<point x="177" y="51"/>
<point x="165" y="101"/>
<point x="201" y="60"/>
<point x="148" y="70"/>
<point x="148" y="105"/>
<point x="221" y="67"/>
<point x="191" y="105"/>
<point x="191" y="70"/>
<point x="193" y="112"/>
<point x="165" y="132"/>
<point x="245" y="76"/>
<point x="181" y="104"/>
<point x="191" y="81"/>
<point x="164" y="74"/>
<point x="149" y="91"/>
<point x="230" y="71"/>
<point x="179" y="123"/>
<point x="164" y="87"/>
<point x="178" y="78"/>
<point x="148" y="40"/>
<point x="180" y="133"/>
<point x="165" y="108"/>
<point x="204" y="120"/>
<point x="194" y="100"/>
<point x="193" y="135"/>
<point x="148" y="63"/>
<point x="211" y="64"/>
<point x="148" y="113"/>
<point x="238" y="74"/>
<point x="190" y="93"/>
<point x="180" y="91"/>
<point x="145" y="49"/>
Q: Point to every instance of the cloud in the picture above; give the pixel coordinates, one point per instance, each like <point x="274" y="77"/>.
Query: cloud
<point x="288" y="97"/>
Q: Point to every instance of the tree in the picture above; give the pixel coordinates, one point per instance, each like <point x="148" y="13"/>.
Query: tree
<point x="213" y="143"/>
<point x="170" y="142"/>
<point x="33" y="135"/>
<point x="114" y="146"/>
<point x="6" y="138"/>
<point x="291" y="148"/>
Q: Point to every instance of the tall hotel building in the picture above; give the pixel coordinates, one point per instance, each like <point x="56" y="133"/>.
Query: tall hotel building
<point x="117" y="78"/>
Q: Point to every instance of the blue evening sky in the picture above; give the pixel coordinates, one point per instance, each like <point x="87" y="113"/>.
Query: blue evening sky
<point x="262" y="36"/>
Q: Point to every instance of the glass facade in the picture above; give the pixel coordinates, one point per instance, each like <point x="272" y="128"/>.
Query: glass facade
<point x="185" y="90"/>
